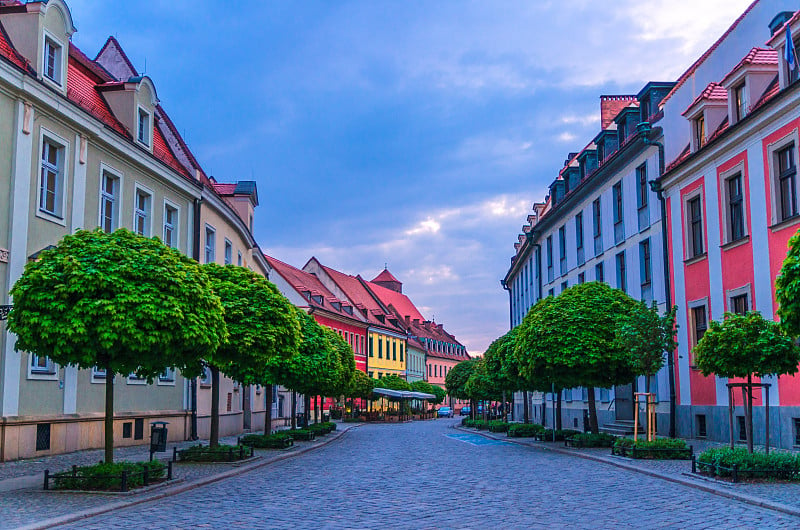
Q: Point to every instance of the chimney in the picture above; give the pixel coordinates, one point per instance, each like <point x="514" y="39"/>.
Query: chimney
<point x="408" y="320"/>
<point x="610" y="107"/>
<point x="416" y="322"/>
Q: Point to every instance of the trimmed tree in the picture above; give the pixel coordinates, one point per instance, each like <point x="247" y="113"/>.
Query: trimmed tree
<point x="570" y="340"/>
<point x="261" y="325"/>
<point x="503" y="368"/>
<point x="787" y="289"/>
<point x="745" y="346"/>
<point x="456" y="381"/>
<point x="648" y="336"/>
<point x="482" y="385"/>
<point x="121" y="302"/>
<point x="361" y="386"/>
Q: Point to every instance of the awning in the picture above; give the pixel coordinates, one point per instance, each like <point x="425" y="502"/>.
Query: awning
<point x="402" y="394"/>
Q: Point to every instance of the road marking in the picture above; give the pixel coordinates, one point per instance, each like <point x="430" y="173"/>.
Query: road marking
<point x="475" y="439"/>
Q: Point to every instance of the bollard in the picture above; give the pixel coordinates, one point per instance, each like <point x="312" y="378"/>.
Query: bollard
<point x="74" y="471"/>
<point x="145" y="477"/>
<point x="241" y="452"/>
<point x="735" y="469"/>
<point x="694" y="464"/>
<point x="169" y="470"/>
<point x="124" y="482"/>
<point x="230" y="454"/>
<point x="174" y="454"/>
<point x="46" y="479"/>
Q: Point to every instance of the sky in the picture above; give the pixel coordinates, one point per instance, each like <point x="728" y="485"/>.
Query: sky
<point x="410" y="134"/>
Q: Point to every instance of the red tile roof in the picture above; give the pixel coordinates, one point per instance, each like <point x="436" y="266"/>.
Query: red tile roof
<point x="400" y="302"/>
<point x="756" y="56"/>
<point x="305" y="282"/>
<point x="8" y="51"/>
<point x="385" y="276"/>
<point x="713" y="92"/>
<point x="688" y="73"/>
<point x="162" y="151"/>
<point x="82" y="82"/>
<point x="224" y="188"/>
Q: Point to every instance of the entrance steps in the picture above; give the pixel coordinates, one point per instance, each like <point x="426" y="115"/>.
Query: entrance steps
<point x="620" y="428"/>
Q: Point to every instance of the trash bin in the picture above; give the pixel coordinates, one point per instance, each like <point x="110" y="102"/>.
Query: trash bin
<point x="158" y="437"/>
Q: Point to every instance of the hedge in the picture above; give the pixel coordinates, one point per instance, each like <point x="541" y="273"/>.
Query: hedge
<point x="524" y="430"/>
<point x="737" y="463"/>
<point x="546" y="435"/>
<point x="220" y="453"/>
<point x="498" y="426"/>
<point x="268" y="441"/>
<point x="590" y="440"/>
<point x="108" y="477"/>
<point x="658" y="449"/>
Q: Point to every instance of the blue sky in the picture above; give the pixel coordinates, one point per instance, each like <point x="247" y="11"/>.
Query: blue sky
<point x="414" y="133"/>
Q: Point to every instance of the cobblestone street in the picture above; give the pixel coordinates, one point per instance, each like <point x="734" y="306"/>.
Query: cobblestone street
<point x="428" y="475"/>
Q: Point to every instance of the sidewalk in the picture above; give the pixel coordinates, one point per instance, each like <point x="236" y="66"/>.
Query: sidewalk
<point x="780" y="496"/>
<point x="23" y="503"/>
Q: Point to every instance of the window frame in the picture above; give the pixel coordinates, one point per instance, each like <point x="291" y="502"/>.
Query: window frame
<point x="169" y="205"/>
<point x="210" y="249"/>
<point x="138" y="190"/>
<point x="621" y="268"/>
<point x="725" y="180"/>
<point x="646" y="254"/>
<point x="699" y="130"/>
<point x="740" y="102"/>
<point x="147" y="139"/>
<point x="58" y="78"/>
<point x="167" y="378"/>
<point x="642" y="197"/>
<point x="116" y="197"/>
<point x="60" y="193"/>
<point x="774" y="151"/>
<point x="98" y="375"/>
<point x="690" y="250"/>
<point x="618" y="204"/>
<point x="227" y="256"/>
<point x="579" y="230"/>
<point x="692" y="306"/>
<point x="37" y="373"/>
<point x="732" y="294"/>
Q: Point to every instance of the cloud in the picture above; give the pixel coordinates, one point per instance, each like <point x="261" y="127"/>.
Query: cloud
<point x="428" y="226"/>
<point x="566" y="137"/>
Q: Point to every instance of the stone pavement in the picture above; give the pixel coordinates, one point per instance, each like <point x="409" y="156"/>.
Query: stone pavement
<point x="429" y="475"/>
<point x="23" y="503"/>
<point x="779" y="495"/>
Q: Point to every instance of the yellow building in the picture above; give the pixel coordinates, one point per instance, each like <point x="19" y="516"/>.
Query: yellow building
<point x="387" y="353"/>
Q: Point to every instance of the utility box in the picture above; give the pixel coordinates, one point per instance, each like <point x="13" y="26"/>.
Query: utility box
<point x="158" y="437"/>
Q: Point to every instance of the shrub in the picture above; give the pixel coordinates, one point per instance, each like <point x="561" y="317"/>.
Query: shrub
<point x="658" y="449"/>
<point x="108" y="477"/>
<point x="301" y="434"/>
<point x="591" y="440"/>
<point x="720" y="462"/>
<point x="524" y="430"/>
<point x="498" y="426"/>
<point x="220" y="453"/>
<point x="546" y="435"/>
<point x="268" y="441"/>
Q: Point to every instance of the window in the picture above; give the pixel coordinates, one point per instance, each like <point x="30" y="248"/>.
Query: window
<point x="582" y="277"/>
<point x="579" y="230"/>
<point x="598" y="273"/>
<point x="699" y="322"/>
<point x="562" y="249"/>
<point x="134" y="379"/>
<point x="228" y="252"/>
<point x="52" y="60"/>
<point x="645" y="262"/>
<point x="205" y="377"/>
<point x="143" y="130"/>
<point x="740" y="100"/>
<point x="239" y="258"/>
<point x="168" y="376"/>
<point x="211" y="244"/>
<point x="51" y="185"/>
<point x="622" y="281"/>
<point x="641" y="180"/>
<point x="695" y="212"/>
<point x="617" y="195"/>
<point x="551" y="292"/>
<point x="549" y="258"/>
<point x="699" y="132"/>
<point x="597" y="218"/>
<point x="787" y="172"/>
<point x="141" y="213"/>
<point x="138" y="429"/>
<point x="98" y="374"/>
<point x="42" y="365"/>
<point x="127" y="429"/>
<point x="380" y="348"/>
<point x="739" y="304"/>
<point x="170" y="226"/>
<point x="394" y="350"/>
<point x="42" y="436"/>
<point x="796" y="422"/>
<point x="109" y="207"/>
<point x="733" y="186"/>
<point x="401" y="352"/>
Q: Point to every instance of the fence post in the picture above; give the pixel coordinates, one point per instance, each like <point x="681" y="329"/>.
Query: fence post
<point x="694" y="464"/>
<point x="633" y="451"/>
<point x="241" y="452"/>
<point x="230" y="454"/>
<point x="124" y="483"/>
<point x="735" y="469"/>
<point x="145" y="477"/>
<point x="174" y="454"/>
<point x="46" y="479"/>
<point x="169" y="470"/>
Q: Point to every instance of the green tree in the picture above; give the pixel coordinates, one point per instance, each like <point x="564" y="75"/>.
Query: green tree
<point x="745" y="346"/>
<point x="456" y="381"/>
<point x="502" y="365"/>
<point x="787" y="289"/>
<point x="648" y="336"/>
<point x="570" y="340"/>
<point x="361" y="386"/>
<point x="393" y="382"/>
<point x="261" y="325"/>
<point x="121" y="302"/>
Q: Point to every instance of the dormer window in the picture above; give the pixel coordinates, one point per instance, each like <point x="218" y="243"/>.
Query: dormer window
<point x="143" y="127"/>
<point x="645" y="109"/>
<point x="317" y="298"/>
<point x="740" y="101"/>
<point x="348" y="309"/>
<point x="52" y="60"/>
<point x="700" y="131"/>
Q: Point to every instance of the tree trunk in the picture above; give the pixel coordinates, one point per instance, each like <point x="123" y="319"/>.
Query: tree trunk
<point x="513" y="412"/>
<point x="505" y="407"/>
<point x="108" y="423"/>
<point x="647" y="383"/>
<point x="593" y="412"/>
<point x="748" y="420"/>
<point x="558" y="410"/>
<point x="214" y="437"/>
<point x="526" y="417"/>
<point x="294" y="409"/>
<point x="269" y="389"/>
<point x="306" y="410"/>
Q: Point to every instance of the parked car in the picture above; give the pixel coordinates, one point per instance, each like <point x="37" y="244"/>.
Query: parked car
<point x="465" y="411"/>
<point x="444" y="412"/>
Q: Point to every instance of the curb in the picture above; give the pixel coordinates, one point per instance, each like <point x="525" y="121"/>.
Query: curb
<point x="755" y="501"/>
<point x="188" y="486"/>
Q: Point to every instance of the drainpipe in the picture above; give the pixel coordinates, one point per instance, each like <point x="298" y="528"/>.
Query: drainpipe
<point x="196" y="255"/>
<point x="645" y="129"/>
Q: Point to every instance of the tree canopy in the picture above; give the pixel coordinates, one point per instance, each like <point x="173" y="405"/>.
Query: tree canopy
<point x="456" y="380"/>
<point x="118" y="301"/>
<point x="482" y="384"/>
<point x="787" y="289"/>
<point x="392" y="382"/>
<point x="744" y="345"/>
<point x="648" y="335"/>
<point x="502" y="365"/>
<point x="361" y="386"/>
